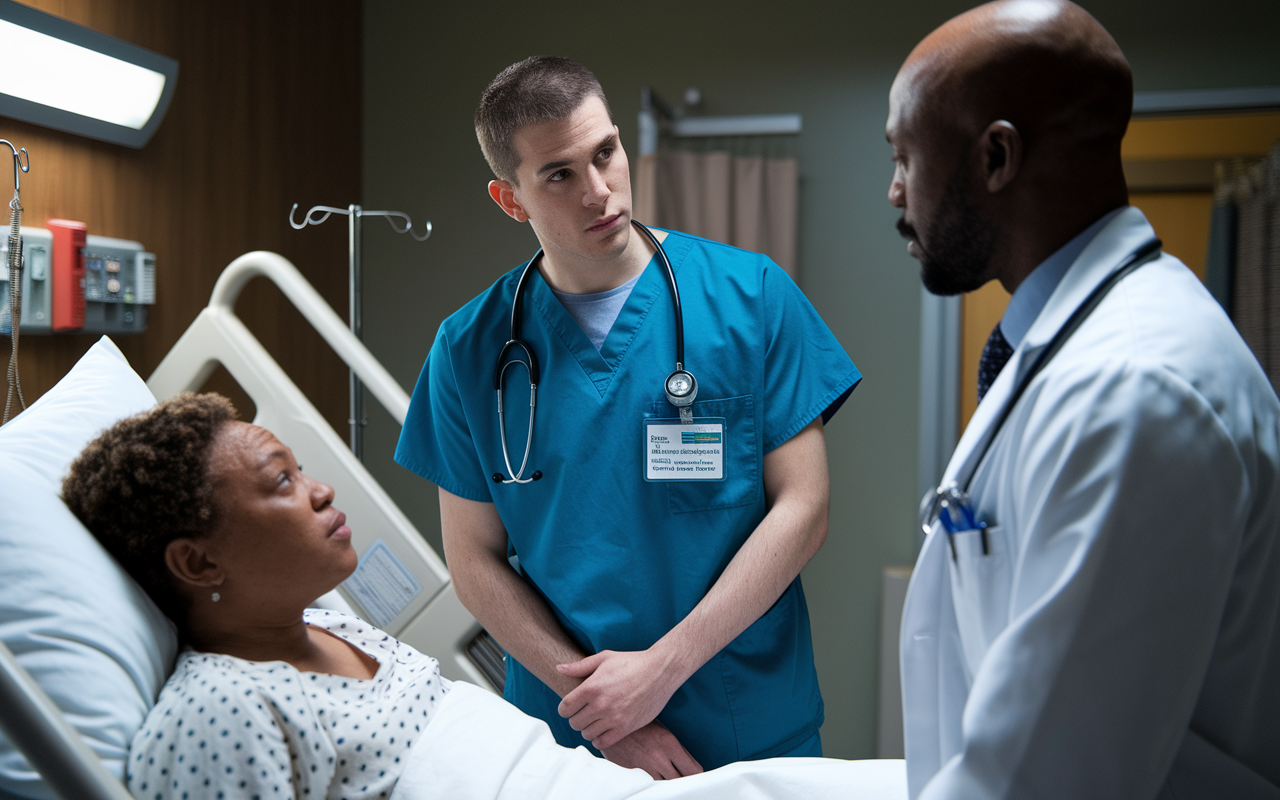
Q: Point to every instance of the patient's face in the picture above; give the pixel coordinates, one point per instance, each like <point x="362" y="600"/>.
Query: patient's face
<point x="279" y="539"/>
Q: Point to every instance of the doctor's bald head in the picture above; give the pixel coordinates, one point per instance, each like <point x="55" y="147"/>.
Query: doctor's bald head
<point x="1006" y="119"/>
<point x="537" y="90"/>
<point x="1045" y="66"/>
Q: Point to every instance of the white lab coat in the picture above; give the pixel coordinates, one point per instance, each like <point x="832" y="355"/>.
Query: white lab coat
<point x="1122" y="639"/>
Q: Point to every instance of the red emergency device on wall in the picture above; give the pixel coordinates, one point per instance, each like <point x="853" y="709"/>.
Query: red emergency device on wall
<point x="67" y="297"/>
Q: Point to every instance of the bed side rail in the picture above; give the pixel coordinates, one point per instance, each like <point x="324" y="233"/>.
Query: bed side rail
<point x="33" y="723"/>
<point x="321" y="316"/>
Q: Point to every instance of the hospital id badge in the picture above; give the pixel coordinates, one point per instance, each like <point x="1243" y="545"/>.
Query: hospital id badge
<point x="674" y="451"/>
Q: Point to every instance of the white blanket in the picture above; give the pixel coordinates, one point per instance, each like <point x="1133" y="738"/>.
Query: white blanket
<point x="479" y="747"/>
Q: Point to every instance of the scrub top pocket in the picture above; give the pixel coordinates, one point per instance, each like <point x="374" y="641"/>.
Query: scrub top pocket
<point x="772" y="722"/>
<point x="741" y="485"/>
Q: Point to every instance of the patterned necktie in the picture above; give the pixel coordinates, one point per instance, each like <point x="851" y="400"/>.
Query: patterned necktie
<point x="994" y="356"/>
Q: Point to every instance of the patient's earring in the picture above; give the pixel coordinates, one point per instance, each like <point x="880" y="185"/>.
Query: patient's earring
<point x="216" y="597"/>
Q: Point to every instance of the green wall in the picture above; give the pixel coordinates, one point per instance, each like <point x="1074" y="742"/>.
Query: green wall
<point x="832" y="62"/>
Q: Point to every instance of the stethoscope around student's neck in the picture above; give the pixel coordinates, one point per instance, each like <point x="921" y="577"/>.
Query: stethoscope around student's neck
<point x="680" y="386"/>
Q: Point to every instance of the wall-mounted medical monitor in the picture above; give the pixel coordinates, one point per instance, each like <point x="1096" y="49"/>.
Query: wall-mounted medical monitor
<point x="65" y="76"/>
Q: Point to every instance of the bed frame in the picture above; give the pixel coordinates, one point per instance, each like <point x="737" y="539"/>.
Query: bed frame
<point x="401" y="585"/>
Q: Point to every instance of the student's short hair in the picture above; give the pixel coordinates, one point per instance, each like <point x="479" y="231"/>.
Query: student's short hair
<point x="145" y="482"/>
<point x="536" y="90"/>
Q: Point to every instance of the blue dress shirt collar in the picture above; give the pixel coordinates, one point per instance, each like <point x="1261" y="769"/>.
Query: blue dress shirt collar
<point x="1032" y="295"/>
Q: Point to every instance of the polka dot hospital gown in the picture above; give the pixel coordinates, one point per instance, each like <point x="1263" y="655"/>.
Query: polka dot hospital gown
<point x="229" y="728"/>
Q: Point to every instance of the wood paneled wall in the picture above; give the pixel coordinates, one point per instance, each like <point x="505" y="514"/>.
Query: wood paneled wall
<point x="266" y="113"/>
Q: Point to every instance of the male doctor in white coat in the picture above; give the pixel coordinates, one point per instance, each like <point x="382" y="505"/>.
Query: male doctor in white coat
<point x="1114" y="629"/>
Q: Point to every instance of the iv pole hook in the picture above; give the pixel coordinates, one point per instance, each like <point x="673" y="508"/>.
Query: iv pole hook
<point x="18" y="167"/>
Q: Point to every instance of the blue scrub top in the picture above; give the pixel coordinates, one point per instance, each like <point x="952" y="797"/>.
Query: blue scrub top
<point x="620" y="560"/>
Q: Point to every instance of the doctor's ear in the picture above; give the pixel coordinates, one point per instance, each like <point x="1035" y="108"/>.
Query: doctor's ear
<point x="190" y="563"/>
<point x="504" y="194"/>
<point x="1001" y="154"/>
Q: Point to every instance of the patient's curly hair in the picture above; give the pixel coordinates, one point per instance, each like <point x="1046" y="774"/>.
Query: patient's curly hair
<point x="145" y="482"/>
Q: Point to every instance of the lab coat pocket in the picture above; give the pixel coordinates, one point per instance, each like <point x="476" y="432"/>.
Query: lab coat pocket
<point x="981" y="583"/>
<point x="741" y="485"/>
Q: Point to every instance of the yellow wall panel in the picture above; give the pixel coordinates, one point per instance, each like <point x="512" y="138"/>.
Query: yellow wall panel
<point x="980" y="311"/>
<point x="1216" y="136"/>
<point x="1181" y="220"/>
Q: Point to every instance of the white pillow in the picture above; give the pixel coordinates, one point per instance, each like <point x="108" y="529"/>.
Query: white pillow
<point x="83" y="629"/>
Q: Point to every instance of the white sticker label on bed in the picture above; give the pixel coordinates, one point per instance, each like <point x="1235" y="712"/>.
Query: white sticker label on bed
<point x="382" y="585"/>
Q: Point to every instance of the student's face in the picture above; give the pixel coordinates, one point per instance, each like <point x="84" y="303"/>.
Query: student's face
<point x="278" y="537"/>
<point x="944" y="227"/>
<point x="574" y="185"/>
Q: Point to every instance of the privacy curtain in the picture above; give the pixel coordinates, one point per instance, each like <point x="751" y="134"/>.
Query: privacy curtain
<point x="746" y="201"/>
<point x="1243" y="269"/>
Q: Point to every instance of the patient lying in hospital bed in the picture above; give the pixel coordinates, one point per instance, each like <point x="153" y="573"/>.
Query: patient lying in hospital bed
<point x="218" y="523"/>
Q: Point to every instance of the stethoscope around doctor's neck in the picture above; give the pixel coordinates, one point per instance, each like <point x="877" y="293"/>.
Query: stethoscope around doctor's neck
<point x="950" y="503"/>
<point x="680" y="386"/>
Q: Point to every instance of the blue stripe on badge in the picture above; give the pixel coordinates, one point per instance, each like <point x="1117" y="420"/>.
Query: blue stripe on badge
<point x="698" y="437"/>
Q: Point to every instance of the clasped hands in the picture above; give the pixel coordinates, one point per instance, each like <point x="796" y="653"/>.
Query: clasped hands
<point x="621" y="692"/>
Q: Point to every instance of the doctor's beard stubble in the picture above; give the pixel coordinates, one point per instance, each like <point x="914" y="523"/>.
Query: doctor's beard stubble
<point x="960" y="239"/>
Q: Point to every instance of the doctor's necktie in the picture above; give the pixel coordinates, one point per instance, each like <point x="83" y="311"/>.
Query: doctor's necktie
<point x="994" y="356"/>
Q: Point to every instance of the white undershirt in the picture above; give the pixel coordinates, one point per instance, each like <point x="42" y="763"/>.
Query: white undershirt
<point x="596" y="313"/>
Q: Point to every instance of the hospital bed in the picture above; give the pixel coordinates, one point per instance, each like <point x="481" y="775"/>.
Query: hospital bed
<point x="401" y="584"/>
<point x="84" y="651"/>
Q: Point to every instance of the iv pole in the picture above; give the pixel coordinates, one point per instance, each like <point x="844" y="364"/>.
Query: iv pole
<point x="354" y="214"/>
<point x="15" y="279"/>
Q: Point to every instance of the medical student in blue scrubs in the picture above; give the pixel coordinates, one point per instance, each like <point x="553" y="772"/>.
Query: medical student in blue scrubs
<point x="660" y="620"/>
